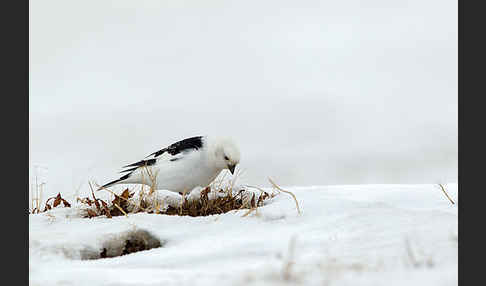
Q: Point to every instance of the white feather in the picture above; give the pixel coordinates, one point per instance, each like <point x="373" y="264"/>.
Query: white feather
<point x="191" y="168"/>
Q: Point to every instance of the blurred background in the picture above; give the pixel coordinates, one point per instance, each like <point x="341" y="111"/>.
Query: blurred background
<point x="314" y="92"/>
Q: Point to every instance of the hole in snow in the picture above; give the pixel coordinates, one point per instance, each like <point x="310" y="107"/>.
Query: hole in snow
<point x="125" y="243"/>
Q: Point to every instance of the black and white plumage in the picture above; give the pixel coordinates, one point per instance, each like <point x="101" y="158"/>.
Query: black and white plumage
<point x="184" y="165"/>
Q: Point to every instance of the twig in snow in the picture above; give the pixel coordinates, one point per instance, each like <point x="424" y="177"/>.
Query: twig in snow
<point x="280" y="189"/>
<point x="445" y="193"/>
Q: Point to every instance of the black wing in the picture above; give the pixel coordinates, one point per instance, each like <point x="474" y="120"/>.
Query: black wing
<point x="114" y="182"/>
<point x="178" y="147"/>
<point x="139" y="164"/>
<point x="130" y="171"/>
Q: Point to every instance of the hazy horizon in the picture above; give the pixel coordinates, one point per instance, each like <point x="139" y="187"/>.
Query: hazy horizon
<point x="318" y="93"/>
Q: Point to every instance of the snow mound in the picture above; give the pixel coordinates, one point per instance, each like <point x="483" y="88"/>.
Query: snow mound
<point x="345" y="235"/>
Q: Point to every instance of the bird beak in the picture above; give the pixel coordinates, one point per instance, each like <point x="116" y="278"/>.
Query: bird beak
<point x="231" y="168"/>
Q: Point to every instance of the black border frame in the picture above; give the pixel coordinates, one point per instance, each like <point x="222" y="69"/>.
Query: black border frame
<point x="15" y="45"/>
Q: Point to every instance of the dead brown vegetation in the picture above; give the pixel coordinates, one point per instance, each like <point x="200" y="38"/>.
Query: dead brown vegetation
<point x="221" y="204"/>
<point x="123" y="205"/>
<point x="210" y="202"/>
<point x="57" y="201"/>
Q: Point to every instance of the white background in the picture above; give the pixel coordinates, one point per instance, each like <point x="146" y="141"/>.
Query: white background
<point x="314" y="92"/>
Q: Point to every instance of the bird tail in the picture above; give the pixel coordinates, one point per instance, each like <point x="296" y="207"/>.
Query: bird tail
<point x="114" y="182"/>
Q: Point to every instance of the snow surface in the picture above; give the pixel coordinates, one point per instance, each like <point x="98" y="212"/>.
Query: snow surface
<point x="346" y="235"/>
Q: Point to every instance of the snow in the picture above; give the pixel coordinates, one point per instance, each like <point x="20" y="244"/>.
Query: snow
<point x="345" y="235"/>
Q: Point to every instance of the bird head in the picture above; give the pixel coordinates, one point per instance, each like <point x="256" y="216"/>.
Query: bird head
<point x="226" y="154"/>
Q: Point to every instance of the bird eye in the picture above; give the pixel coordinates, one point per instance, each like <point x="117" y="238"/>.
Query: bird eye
<point x="226" y="158"/>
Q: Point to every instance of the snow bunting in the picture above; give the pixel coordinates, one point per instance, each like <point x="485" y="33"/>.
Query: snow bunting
<point x="184" y="165"/>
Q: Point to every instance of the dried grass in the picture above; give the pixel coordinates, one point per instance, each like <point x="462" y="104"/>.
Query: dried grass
<point x="290" y="193"/>
<point x="445" y="193"/>
<point x="212" y="200"/>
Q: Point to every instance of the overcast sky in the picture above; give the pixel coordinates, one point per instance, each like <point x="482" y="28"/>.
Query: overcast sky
<point x="314" y="92"/>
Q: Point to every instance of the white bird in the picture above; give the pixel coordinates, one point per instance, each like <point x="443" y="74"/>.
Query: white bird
<point x="184" y="165"/>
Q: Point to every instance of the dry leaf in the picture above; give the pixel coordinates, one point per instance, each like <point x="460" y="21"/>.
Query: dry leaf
<point x="104" y="203"/>
<point x="66" y="204"/>
<point x="97" y="205"/>
<point x="107" y="211"/>
<point x="252" y="202"/>
<point x="95" y="201"/>
<point x="91" y="213"/>
<point x="116" y="200"/>
<point x="58" y="200"/>
<point x="125" y="194"/>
